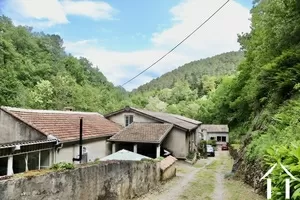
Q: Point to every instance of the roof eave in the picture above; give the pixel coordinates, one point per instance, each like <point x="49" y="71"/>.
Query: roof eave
<point x="136" y="141"/>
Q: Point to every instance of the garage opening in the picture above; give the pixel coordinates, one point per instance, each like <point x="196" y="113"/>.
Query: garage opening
<point x="147" y="150"/>
<point x="126" y="146"/>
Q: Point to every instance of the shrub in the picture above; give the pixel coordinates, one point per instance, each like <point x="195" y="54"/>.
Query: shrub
<point x="212" y="143"/>
<point x="62" y="166"/>
<point x="202" y="148"/>
<point x="289" y="157"/>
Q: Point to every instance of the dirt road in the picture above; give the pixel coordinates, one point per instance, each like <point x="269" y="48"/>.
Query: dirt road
<point x="204" y="181"/>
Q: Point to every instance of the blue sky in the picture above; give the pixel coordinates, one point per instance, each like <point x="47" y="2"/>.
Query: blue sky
<point x="123" y="37"/>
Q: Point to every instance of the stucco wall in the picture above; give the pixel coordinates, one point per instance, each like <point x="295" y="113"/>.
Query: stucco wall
<point x="107" y="181"/>
<point x="120" y="118"/>
<point x="176" y="142"/>
<point x="96" y="149"/>
<point x="12" y="130"/>
<point x="169" y="173"/>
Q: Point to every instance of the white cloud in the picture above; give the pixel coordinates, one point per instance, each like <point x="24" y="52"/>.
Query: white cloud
<point x="217" y="36"/>
<point x="46" y="13"/>
<point x="49" y="11"/>
<point x="92" y="9"/>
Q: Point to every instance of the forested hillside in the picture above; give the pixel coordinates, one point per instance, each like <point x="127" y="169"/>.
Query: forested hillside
<point x="223" y="64"/>
<point x="186" y="89"/>
<point x="261" y="102"/>
<point x="36" y="72"/>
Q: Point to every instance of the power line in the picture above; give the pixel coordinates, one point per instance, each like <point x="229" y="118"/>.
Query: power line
<point x="177" y="44"/>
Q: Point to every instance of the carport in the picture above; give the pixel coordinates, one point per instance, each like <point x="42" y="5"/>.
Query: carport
<point x="20" y="157"/>
<point x="142" y="138"/>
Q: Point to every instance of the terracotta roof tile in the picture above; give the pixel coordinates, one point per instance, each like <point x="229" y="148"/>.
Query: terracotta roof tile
<point x="65" y="124"/>
<point x="167" y="162"/>
<point x="143" y="133"/>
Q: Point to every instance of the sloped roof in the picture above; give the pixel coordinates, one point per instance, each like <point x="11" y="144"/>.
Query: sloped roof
<point x="176" y="120"/>
<point x="143" y="133"/>
<point x="215" y="128"/>
<point x="64" y="125"/>
<point x="125" y="155"/>
<point x="167" y="162"/>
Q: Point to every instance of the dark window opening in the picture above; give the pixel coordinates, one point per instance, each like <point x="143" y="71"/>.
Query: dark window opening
<point x="219" y="138"/>
<point x="3" y="166"/>
<point x="212" y="138"/>
<point x="223" y="138"/>
<point x="19" y="163"/>
<point x="128" y="119"/>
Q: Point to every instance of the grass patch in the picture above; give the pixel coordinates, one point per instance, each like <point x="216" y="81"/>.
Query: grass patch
<point x="201" y="188"/>
<point x="236" y="190"/>
<point x="200" y="164"/>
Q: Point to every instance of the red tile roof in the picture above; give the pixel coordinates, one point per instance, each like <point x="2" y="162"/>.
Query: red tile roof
<point x="65" y="124"/>
<point x="143" y="133"/>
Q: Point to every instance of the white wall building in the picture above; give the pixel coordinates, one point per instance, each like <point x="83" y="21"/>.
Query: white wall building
<point x="35" y="139"/>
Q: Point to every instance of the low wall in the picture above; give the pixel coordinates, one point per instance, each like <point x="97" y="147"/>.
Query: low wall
<point x="107" y="181"/>
<point x="249" y="172"/>
<point x="169" y="173"/>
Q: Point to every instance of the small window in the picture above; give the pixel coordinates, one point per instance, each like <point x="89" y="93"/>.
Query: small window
<point x="219" y="138"/>
<point x="223" y="138"/>
<point x="212" y="138"/>
<point x="128" y="119"/>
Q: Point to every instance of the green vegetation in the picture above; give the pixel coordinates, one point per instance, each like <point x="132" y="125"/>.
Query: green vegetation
<point x="36" y="72"/>
<point x="256" y="91"/>
<point x="200" y="74"/>
<point x="202" y="187"/>
<point x="62" y="166"/>
<point x="186" y="90"/>
<point x="289" y="156"/>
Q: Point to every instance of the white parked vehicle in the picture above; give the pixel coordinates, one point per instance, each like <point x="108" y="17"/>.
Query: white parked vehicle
<point x="210" y="150"/>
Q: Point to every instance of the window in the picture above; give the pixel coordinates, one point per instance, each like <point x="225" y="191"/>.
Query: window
<point x="219" y="138"/>
<point x="212" y="138"/>
<point x="128" y="119"/>
<point x="223" y="138"/>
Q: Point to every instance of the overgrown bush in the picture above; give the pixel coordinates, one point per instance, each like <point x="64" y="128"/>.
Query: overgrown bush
<point x="212" y="143"/>
<point x="283" y="128"/>
<point x="62" y="166"/>
<point x="289" y="157"/>
<point x="202" y="148"/>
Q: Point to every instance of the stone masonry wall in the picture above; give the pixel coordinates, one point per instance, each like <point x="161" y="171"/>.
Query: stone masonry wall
<point x="112" y="180"/>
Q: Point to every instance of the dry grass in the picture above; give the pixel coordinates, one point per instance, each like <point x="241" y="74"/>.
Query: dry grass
<point x="32" y="173"/>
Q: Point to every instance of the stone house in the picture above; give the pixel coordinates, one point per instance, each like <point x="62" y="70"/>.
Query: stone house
<point x="35" y="139"/>
<point x="218" y="132"/>
<point x="149" y="133"/>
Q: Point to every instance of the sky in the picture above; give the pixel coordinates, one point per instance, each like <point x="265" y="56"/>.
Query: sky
<point x="122" y="38"/>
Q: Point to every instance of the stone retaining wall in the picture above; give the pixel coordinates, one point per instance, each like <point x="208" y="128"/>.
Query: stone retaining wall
<point x="107" y="181"/>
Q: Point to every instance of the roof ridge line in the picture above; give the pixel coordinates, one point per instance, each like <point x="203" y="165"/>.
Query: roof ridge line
<point x="47" y="111"/>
